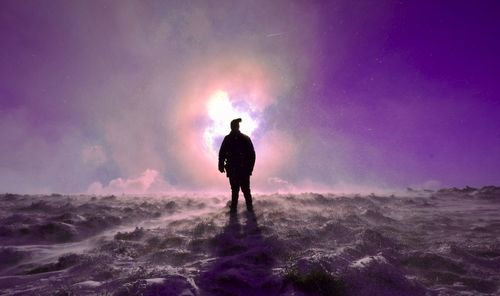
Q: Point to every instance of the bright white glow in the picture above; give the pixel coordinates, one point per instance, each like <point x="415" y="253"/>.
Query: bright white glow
<point x="221" y="111"/>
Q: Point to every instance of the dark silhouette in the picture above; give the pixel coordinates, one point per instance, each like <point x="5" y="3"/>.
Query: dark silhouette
<point x="237" y="159"/>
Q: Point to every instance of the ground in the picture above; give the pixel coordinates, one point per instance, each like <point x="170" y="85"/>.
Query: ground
<point x="417" y="242"/>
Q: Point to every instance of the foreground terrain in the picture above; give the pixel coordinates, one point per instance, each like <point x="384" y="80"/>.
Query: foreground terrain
<point x="444" y="242"/>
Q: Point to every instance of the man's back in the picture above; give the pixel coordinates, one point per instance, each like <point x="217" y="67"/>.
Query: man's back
<point x="238" y="153"/>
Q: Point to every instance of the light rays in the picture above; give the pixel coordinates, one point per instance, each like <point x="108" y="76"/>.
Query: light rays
<point x="221" y="110"/>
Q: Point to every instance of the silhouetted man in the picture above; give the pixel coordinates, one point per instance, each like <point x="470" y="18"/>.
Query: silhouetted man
<point x="237" y="158"/>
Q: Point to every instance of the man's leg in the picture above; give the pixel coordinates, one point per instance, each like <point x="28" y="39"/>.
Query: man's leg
<point x="245" y="187"/>
<point x="235" y="189"/>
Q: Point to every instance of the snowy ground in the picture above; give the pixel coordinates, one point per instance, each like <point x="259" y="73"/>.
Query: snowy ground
<point x="443" y="242"/>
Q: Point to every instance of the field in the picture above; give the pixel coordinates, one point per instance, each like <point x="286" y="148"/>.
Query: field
<point x="444" y="242"/>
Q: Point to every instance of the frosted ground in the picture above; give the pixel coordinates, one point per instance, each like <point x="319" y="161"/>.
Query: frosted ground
<point x="444" y="242"/>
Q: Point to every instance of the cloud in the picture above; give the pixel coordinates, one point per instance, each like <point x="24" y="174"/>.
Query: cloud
<point x="149" y="181"/>
<point x="429" y="184"/>
<point x="275" y="184"/>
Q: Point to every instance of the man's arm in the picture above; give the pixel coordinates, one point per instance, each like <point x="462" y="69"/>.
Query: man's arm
<point x="252" y="155"/>
<point x="222" y="155"/>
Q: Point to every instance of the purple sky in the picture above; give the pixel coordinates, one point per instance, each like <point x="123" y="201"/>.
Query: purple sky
<point x="366" y="93"/>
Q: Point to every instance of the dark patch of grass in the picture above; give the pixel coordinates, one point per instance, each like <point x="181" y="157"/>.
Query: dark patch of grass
<point x="9" y="196"/>
<point x="135" y="235"/>
<point x="10" y="256"/>
<point x="316" y="282"/>
<point x="62" y="263"/>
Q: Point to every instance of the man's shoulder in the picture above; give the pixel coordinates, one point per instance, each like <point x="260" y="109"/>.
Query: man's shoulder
<point x="245" y="136"/>
<point x="237" y="137"/>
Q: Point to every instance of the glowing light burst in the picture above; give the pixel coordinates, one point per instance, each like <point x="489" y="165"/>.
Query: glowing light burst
<point x="221" y="111"/>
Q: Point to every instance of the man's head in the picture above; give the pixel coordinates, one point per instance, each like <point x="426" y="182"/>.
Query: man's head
<point x="235" y="124"/>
